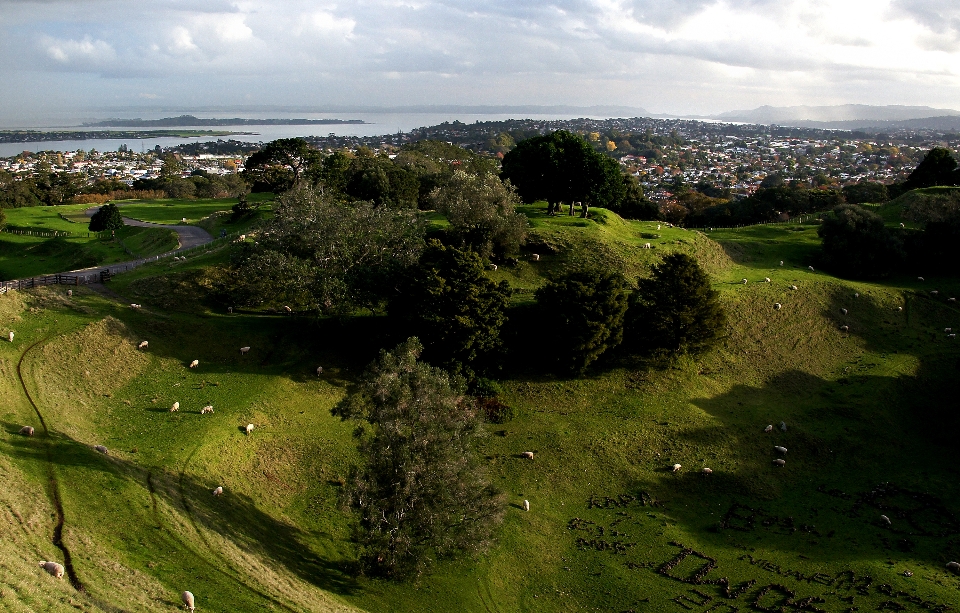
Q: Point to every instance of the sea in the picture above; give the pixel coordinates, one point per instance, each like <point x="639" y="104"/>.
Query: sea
<point x="375" y="124"/>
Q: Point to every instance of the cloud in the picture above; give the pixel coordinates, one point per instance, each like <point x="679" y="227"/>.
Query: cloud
<point x="84" y="54"/>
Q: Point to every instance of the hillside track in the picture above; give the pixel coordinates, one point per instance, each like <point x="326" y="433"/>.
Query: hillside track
<point x="53" y="483"/>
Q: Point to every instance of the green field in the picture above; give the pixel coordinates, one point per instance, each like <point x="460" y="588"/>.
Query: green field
<point x="174" y="211"/>
<point x="607" y="513"/>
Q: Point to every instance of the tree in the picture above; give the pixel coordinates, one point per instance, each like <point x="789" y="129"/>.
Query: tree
<point x="480" y="209"/>
<point x="315" y="254"/>
<point x="866" y="192"/>
<point x="107" y="217"/>
<point x="562" y="167"/>
<point x="422" y="493"/>
<point x="675" y="308"/>
<point x="291" y="156"/>
<point x="856" y="243"/>
<point x="937" y="168"/>
<point x="634" y="204"/>
<point x="584" y="313"/>
<point x="448" y="303"/>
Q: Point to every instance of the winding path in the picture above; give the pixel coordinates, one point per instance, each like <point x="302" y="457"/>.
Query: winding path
<point x="189" y="236"/>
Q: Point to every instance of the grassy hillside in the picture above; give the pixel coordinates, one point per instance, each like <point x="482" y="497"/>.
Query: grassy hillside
<point x="174" y="211"/>
<point x="607" y="513"/>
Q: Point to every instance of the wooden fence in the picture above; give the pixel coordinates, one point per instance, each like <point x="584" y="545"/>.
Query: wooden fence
<point x="54" y="233"/>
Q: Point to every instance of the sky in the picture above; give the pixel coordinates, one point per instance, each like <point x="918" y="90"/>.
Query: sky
<point x="667" y="56"/>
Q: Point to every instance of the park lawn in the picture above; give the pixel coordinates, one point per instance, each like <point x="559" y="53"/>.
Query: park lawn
<point x="48" y="218"/>
<point x="174" y="211"/>
<point x="606" y="510"/>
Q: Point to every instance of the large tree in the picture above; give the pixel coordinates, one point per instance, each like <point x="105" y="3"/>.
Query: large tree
<point x="857" y="243"/>
<point x="422" y="492"/>
<point x="937" y="168"/>
<point x="675" y="308"/>
<point x="583" y="312"/>
<point x="281" y="163"/>
<point x="562" y="167"/>
<point x="107" y="217"/>
<point x="448" y="303"/>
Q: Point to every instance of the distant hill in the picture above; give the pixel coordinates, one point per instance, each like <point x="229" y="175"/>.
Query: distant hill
<point x="191" y="121"/>
<point x="856" y="115"/>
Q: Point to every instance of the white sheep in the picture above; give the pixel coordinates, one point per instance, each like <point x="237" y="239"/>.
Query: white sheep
<point x="783" y="426"/>
<point x="886" y="520"/>
<point x="781" y="262"/>
<point x="843" y="311"/>
<point x="777" y="306"/>
<point x="844" y="328"/>
<point x="744" y="281"/>
<point x="954" y="567"/>
<point x="951" y="299"/>
<point x="243" y="350"/>
<point x="948" y="329"/>
<point x="528" y="455"/>
<point x="707" y="471"/>
<point x="794" y="287"/>
<point x="230" y="310"/>
<point x="493" y="267"/>
<point x="780" y="450"/>
<point x="319" y="371"/>
<point x="780" y="462"/>
<point x="11" y="336"/>
<point x="26" y="430"/>
<point x="766" y="279"/>
<point x="188" y="601"/>
<point x="646" y="246"/>
<point x="811" y="268"/>
<point x="69" y="292"/>
<point x="920" y="279"/>
<point x="856" y="294"/>
<point x="658" y="226"/>
<point x="287" y="309"/>
<point x="248" y="429"/>
<point x="935" y="292"/>
<point x="951" y="336"/>
<point x="134" y="305"/>
<point x="53" y="568"/>
<point x="899" y="309"/>
<point x="194" y="363"/>
<point x="902" y="225"/>
<point x="206" y="409"/>
<point x="535" y="257"/>
<point x="175" y="407"/>
<point x="676" y="468"/>
<point x="100" y="449"/>
<point x="143" y="345"/>
<point x="526" y="505"/>
<point x="218" y="491"/>
<point x="242" y="237"/>
<point x="768" y="428"/>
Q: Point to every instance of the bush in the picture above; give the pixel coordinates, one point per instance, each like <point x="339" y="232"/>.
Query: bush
<point x="495" y="411"/>
<point x="583" y="312"/>
<point x="107" y="217"/>
<point x="937" y="168"/>
<point x="866" y="192"/>
<point x="675" y="309"/>
<point x="856" y="243"/>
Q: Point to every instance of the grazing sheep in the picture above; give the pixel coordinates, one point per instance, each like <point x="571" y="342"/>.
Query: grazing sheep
<point x="856" y="294"/>
<point x="242" y="237"/>
<point x="11" y="336"/>
<point x="646" y="246"/>
<point x="707" y="471"/>
<point x="188" y="601"/>
<point x="248" y="429"/>
<point x="844" y="328"/>
<point x="951" y="299"/>
<point x="766" y="279"/>
<point x="783" y="426"/>
<point x="899" y="309"/>
<point x="902" y="225"/>
<point x="206" y="409"/>
<point x="175" y="407"/>
<point x="194" y="363"/>
<point x="143" y="345"/>
<point x="26" y="430"/>
<point x="780" y="450"/>
<point x="886" y="520"/>
<point x="676" y="468"/>
<point x="948" y="329"/>
<point x="951" y="336"/>
<point x="134" y="305"/>
<point x="658" y="226"/>
<point x="953" y="567"/>
<point x="493" y="267"/>
<point x="794" y="287"/>
<point x="920" y="279"/>
<point x="768" y="428"/>
<point x="287" y="309"/>
<point x="935" y="292"/>
<point x="526" y="505"/>
<point x="777" y="306"/>
<point x="243" y="350"/>
<point x="69" y="292"/>
<point x="811" y="268"/>
<point x="230" y="310"/>
<point x="527" y="455"/>
<point x="53" y="568"/>
<point x="843" y="311"/>
<point x="744" y="281"/>
<point x="780" y="462"/>
<point x="319" y="370"/>
<point x="781" y="262"/>
<point x="100" y="449"/>
<point x="535" y="257"/>
<point x="218" y="491"/>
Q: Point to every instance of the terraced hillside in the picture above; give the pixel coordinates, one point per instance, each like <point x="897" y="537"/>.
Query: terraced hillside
<point x="611" y="527"/>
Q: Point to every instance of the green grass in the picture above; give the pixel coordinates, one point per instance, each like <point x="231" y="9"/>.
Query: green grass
<point x="48" y="218"/>
<point x="173" y="211"/>
<point x="142" y="525"/>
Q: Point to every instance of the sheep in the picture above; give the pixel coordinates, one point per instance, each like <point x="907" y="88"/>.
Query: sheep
<point x="242" y="237"/>
<point x="658" y="226"/>
<point x="53" y="568"/>
<point x="843" y="311"/>
<point x="647" y="246"/>
<point x="143" y="345"/>
<point x="794" y="287"/>
<point x="218" y="491"/>
<point x="844" y="328"/>
<point x="780" y="462"/>
<point x="535" y="257"/>
<point x="935" y="292"/>
<point x="319" y="371"/>
<point x="206" y="409"/>
<point x="902" y="225"/>
<point x="856" y="294"/>
<point x="780" y="450"/>
<point x="707" y="471"/>
<point x="811" y="268"/>
<point x="230" y="310"/>
<point x="526" y="505"/>
<point x="768" y="428"/>
<point x="899" y="309"/>
<point x="528" y="455"/>
<point x="951" y="336"/>
<point x="920" y="278"/>
<point x="248" y="429"/>
<point x="100" y="449"/>
<point x="886" y="520"/>
<point x="954" y="567"/>
<point x="781" y="262"/>
<point x="783" y="426"/>
<point x="948" y="329"/>
<point x="188" y="601"/>
<point x="493" y="267"/>
<point x="175" y="407"/>
<point x="287" y="309"/>
<point x="26" y="430"/>
<point x="194" y="363"/>
<point x="777" y="306"/>
<point x="243" y="350"/>
<point x="766" y="279"/>
<point x="744" y="281"/>
<point x="11" y="336"/>
<point x="676" y="468"/>
<point x="69" y="292"/>
<point x="951" y="299"/>
<point x="134" y="305"/>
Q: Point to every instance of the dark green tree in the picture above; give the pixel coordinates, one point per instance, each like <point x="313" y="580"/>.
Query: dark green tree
<point x="562" y="167"/>
<point x="857" y="243"/>
<point x="284" y="158"/>
<point x="866" y="192"/>
<point x="583" y="312"/>
<point x="675" y="309"/>
<point x="447" y="302"/>
<point x="937" y="168"/>
<point x="422" y="493"/>
<point x="107" y="217"/>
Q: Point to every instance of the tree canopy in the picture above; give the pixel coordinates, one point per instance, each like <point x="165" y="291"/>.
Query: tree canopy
<point x="937" y="168"/>
<point x="856" y="243"/>
<point x="280" y="164"/>
<point x="562" y="167"/>
<point x="107" y="217"/>
<point x="421" y="493"/>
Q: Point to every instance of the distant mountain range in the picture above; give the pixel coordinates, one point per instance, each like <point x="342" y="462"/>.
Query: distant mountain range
<point x="849" y="117"/>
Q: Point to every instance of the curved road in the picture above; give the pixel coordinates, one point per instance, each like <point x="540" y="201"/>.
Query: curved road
<point x="189" y="236"/>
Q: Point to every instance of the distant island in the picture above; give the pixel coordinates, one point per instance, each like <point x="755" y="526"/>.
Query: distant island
<point x="191" y="121"/>
<point x="37" y="136"/>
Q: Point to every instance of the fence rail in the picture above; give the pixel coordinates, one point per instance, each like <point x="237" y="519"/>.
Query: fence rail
<point x="52" y="233"/>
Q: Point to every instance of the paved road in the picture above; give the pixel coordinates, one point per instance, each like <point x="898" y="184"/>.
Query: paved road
<point x="189" y="236"/>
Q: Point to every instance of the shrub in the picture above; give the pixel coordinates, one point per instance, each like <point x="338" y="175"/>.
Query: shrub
<point x="856" y="243"/>
<point x="107" y="217"/>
